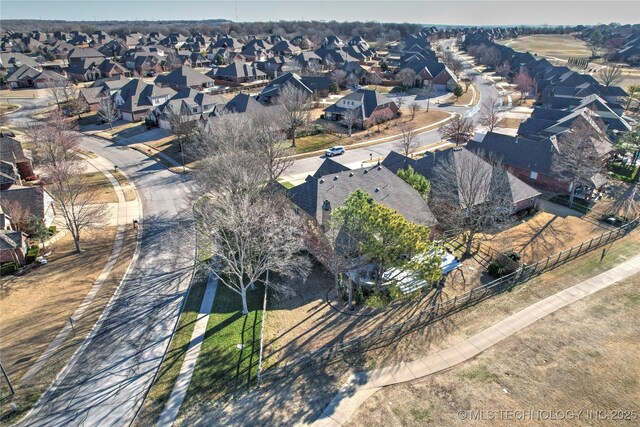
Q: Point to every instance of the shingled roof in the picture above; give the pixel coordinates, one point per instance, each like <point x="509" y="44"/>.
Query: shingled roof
<point x="381" y="184"/>
<point x="184" y="77"/>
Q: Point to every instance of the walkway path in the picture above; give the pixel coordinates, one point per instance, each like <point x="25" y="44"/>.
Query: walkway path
<point x="125" y="212"/>
<point x="363" y="384"/>
<point x="181" y="386"/>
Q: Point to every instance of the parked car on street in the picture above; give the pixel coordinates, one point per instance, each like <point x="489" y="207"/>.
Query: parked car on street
<point x="334" y="151"/>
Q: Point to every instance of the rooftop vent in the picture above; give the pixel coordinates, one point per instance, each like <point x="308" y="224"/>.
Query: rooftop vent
<point x="350" y="173"/>
<point x="377" y="189"/>
<point x="457" y="149"/>
<point x="321" y="180"/>
<point x="379" y="167"/>
<point x="335" y="177"/>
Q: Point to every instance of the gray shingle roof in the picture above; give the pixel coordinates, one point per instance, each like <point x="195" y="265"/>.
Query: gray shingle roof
<point x="184" y="77"/>
<point x="381" y="184"/>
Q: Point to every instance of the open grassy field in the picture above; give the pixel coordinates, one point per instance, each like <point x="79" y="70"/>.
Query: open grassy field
<point x="550" y="46"/>
<point x="555" y="364"/>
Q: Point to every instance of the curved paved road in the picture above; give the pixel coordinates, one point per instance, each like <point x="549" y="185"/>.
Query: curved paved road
<point x="353" y="158"/>
<point x="105" y="383"/>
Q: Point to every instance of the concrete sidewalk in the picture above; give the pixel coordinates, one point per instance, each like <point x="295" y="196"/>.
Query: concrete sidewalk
<point x="179" y="392"/>
<point x="361" y="385"/>
<point x="123" y="213"/>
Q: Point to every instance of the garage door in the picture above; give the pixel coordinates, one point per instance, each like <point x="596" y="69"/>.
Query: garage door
<point x="127" y="116"/>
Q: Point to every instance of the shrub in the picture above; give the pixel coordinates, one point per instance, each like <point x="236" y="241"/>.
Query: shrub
<point x="32" y="254"/>
<point x="378" y="301"/>
<point x="514" y="256"/>
<point x="8" y="268"/>
<point x="496" y="269"/>
<point x="53" y="230"/>
<point x="532" y="211"/>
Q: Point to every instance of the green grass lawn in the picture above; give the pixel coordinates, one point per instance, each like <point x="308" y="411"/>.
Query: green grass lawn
<point x="623" y="173"/>
<point x="223" y="368"/>
<point x="320" y="141"/>
<point x="579" y="205"/>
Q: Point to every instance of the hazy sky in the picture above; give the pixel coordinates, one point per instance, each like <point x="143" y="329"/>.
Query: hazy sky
<point x="465" y="12"/>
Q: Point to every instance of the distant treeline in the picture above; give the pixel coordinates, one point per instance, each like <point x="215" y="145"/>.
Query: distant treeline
<point x="314" y="30"/>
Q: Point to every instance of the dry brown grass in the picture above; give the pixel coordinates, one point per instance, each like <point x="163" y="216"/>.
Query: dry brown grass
<point x="302" y="398"/>
<point x="468" y="96"/>
<point x="542" y="235"/>
<point x="35" y="307"/>
<point x="509" y="122"/>
<point x="555" y="364"/>
<point x="102" y="186"/>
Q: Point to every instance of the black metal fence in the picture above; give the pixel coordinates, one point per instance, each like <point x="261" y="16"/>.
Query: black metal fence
<point x="385" y="335"/>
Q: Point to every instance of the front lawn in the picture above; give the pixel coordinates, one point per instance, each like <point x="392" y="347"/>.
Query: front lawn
<point x="579" y="205"/>
<point x="222" y="366"/>
<point x="623" y="172"/>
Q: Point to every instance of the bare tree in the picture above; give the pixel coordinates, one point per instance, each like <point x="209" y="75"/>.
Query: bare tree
<point x="407" y="77"/>
<point x="610" y="75"/>
<point x="172" y="61"/>
<point x="76" y="198"/>
<point x="408" y="141"/>
<point x="108" y="109"/>
<point x="375" y="79"/>
<point x="294" y="105"/>
<point x="468" y="193"/>
<point x="579" y="154"/>
<point x="429" y="92"/>
<point x="459" y="130"/>
<point x="53" y="138"/>
<point x="351" y="118"/>
<point x="338" y="76"/>
<point x="490" y="113"/>
<point x="17" y="212"/>
<point x="61" y="90"/>
<point x="268" y="142"/>
<point x="490" y="57"/>
<point x="524" y="83"/>
<point x="414" y="108"/>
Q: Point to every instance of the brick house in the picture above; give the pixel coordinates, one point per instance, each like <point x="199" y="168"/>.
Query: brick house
<point x="369" y="105"/>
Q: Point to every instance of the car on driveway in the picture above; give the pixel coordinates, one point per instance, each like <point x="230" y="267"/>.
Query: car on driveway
<point x="334" y="151"/>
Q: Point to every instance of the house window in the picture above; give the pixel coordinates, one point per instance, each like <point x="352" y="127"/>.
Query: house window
<point x="533" y="175"/>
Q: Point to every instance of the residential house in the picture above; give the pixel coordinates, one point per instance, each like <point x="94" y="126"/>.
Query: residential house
<point x="238" y="72"/>
<point x="185" y="77"/>
<point x="35" y="200"/>
<point x="8" y="175"/>
<point x="26" y="77"/>
<point x="11" y="61"/>
<point x="243" y="103"/>
<point x="90" y="96"/>
<point x="136" y="99"/>
<point x="13" y="247"/>
<point x="271" y="92"/>
<point x="435" y="72"/>
<point x="522" y="195"/>
<point x="285" y="47"/>
<point x="11" y="151"/>
<point x="79" y="55"/>
<point x="319" y="196"/>
<point x="189" y="104"/>
<point x="93" y="69"/>
<point x="303" y="43"/>
<point x="332" y="42"/>
<point x="368" y="104"/>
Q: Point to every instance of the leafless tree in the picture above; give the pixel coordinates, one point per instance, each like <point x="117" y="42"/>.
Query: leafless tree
<point x="267" y="142"/>
<point x="17" y="212"/>
<point x="53" y="138"/>
<point x="400" y="100"/>
<point x="490" y="113"/>
<point x="414" y="108"/>
<point x="610" y="75"/>
<point x="374" y="79"/>
<point x="172" y="61"/>
<point x="490" y="57"/>
<point x="61" y="90"/>
<point x="469" y="194"/>
<point x="429" y="92"/>
<point x="351" y="118"/>
<point x="408" y="141"/>
<point x="383" y="117"/>
<point x="407" y="77"/>
<point x="294" y="104"/>
<point x="108" y="109"/>
<point x="75" y="197"/>
<point x="459" y="130"/>
<point x="251" y="237"/>
<point x="579" y="154"/>
<point x="338" y="76"/>
<point x="524" y="83"/>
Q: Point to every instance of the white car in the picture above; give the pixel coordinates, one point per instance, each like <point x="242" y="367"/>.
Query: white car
<point x="334" y="151"/>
